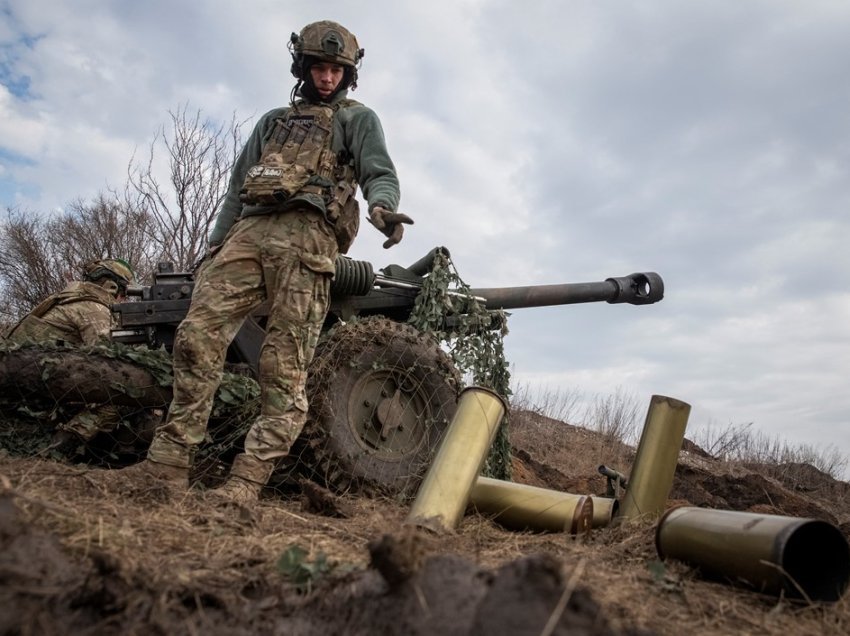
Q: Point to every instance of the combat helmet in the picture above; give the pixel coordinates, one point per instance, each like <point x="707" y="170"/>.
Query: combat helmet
<point x="115" y="274"/>
<point x="325" y="41"/>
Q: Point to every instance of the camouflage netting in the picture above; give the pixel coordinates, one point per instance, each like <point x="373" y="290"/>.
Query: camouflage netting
<point x="43" y="386"/>
<point x="476" y="347"/>
<point x="381" y="395"/>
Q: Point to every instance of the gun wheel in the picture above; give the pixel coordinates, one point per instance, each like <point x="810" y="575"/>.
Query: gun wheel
<point x="381" y="396"/>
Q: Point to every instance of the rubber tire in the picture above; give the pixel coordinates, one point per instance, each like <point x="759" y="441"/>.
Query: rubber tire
<point x="359" y="352"/>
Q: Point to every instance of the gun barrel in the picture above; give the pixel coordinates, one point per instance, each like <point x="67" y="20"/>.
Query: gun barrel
<point x="636" y="289"/>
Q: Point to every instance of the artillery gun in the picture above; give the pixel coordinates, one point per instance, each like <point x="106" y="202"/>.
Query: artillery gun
<point x="381" y="393"/>
<point x="356" y="290"/>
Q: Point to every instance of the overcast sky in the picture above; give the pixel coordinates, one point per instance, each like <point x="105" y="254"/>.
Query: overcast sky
<point x="541" y="142"/>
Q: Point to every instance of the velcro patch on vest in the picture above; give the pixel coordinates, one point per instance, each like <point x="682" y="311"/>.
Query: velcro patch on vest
<point x="304" y="121"/>
<point x="264" y="171"/>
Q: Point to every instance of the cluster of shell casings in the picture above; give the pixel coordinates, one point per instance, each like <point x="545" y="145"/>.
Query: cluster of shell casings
<point x="804" y="558"/>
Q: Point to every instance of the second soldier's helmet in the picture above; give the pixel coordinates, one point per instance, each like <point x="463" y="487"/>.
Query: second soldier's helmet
<point x="112" y="270"/>
<point x="325" y="41"/>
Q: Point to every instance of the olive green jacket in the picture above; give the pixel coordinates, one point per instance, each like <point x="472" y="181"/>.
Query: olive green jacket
<point x="357" y="131"/>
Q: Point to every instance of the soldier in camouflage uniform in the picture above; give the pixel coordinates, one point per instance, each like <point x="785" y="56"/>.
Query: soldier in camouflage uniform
<point x="289" y="211"/>
<point x="80" y="314"/>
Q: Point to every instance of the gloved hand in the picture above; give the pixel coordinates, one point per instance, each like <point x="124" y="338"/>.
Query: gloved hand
<point x="390" y="223"/>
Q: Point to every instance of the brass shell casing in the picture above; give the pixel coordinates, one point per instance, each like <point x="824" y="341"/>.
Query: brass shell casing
<point x="604" y="509"/>
<point x="444" y="493"/>
<point x="805" y="558"/>
<point x="655" y="461"/>
<point x="523" y="507"/>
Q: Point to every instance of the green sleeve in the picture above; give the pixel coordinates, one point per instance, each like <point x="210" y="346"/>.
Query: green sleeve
<point x="374" y="170"/>
<point x="231" y="207"/>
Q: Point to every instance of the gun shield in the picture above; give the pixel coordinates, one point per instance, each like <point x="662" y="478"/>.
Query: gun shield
<point x="444" y="493"/>
<point x="805" y="558"/>
<point x="651" y="477"/>
<point x="523" y="507"/>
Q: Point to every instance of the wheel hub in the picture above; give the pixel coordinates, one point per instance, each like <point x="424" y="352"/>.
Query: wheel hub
<point x="388" y="413"/>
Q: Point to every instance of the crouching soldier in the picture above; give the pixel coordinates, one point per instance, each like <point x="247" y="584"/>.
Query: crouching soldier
<point x="80" y="314"/>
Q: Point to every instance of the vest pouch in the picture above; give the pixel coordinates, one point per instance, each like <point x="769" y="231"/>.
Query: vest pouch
<point x="270" y="183"/>
<point x="344" y="214"/>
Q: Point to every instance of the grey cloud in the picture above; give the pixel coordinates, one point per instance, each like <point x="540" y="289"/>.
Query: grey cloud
<point x="544" y="142"/>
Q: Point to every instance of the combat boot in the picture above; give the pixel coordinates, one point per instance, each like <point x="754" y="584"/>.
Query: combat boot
<point x="247" y="478"/>
<point x="176" y="477"/>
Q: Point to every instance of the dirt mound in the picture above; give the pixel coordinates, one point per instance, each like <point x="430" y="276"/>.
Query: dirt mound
<point x="84" y="550"/>
<point x="451" y="595"/>
<point x="749" y="492"/>
<point x="112" y="580"/>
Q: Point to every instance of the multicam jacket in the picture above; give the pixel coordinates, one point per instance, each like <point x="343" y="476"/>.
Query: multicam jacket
<point x="79" y="314"/>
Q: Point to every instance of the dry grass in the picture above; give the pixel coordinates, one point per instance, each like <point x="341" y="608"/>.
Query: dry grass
<point x="189" y="547"/>
<point x="618" y="417"/>
<point x="743" y="443"/>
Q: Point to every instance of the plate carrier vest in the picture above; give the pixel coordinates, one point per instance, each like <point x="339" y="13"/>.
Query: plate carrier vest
<point x="34" y="328"/>
<point x="298" y="161"/>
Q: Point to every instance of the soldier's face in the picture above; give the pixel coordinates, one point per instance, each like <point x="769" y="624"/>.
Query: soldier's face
<point x="326" y="77"/>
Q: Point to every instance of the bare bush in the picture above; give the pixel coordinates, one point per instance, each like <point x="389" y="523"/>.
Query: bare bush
<point x="559" y="404"/>
<point x="740" y="443"/>
<point x="723" y="443"/>
<point x="829" y="459"/>
<point x="28" y="271"/>
<point x="40" y="254"/>
<point x="615" y="416"/>
<point x="143" y="223"/>
<point x="108" y="228"/>
<point x="200" y="156"/>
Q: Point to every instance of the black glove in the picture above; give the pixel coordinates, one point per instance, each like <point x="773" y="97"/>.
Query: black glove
<point x="390" y="223"/>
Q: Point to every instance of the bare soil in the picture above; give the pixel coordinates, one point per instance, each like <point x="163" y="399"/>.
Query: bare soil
<point x="86" y="550"/>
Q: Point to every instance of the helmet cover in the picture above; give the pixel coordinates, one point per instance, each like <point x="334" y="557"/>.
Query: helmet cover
<point x="115" y="269"/>
<point x="325" y="41"/>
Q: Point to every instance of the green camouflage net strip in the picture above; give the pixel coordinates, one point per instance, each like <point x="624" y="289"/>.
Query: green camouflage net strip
<point x="31" y="407"/>
<point x="476" y="348"/>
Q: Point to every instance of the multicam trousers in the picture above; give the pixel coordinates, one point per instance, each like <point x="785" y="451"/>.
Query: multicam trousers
<point x="288" y="259"/>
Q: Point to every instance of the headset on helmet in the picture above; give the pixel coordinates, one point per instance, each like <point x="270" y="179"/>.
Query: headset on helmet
<point x="325" y="41"/>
